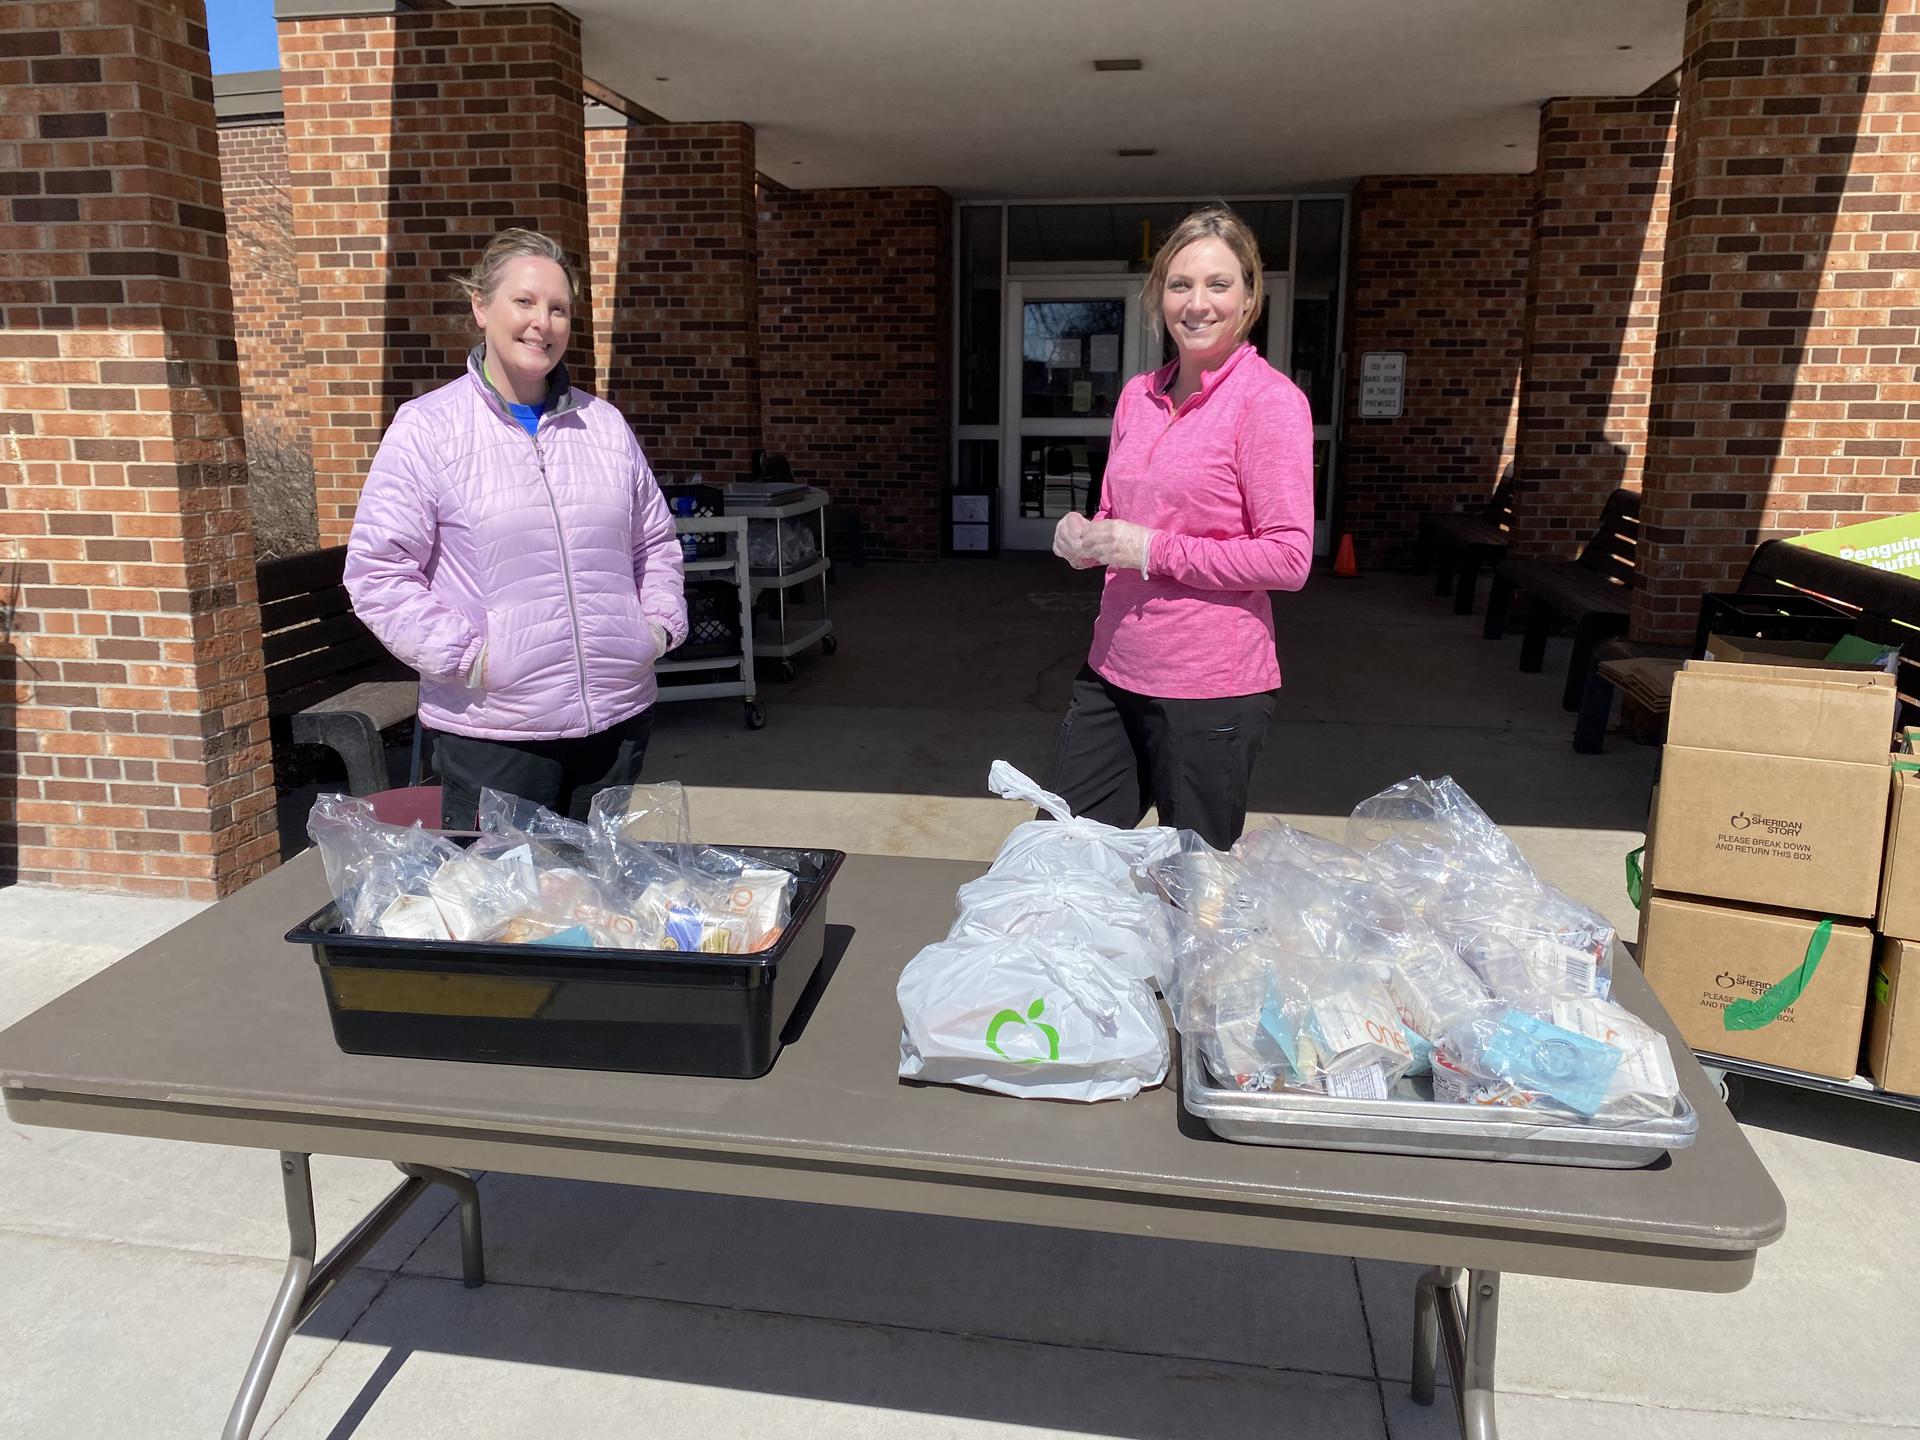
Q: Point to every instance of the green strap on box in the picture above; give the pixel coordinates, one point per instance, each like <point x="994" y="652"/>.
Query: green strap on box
<point x="1635" y="882"/>
<point x="1754" y="1014"/>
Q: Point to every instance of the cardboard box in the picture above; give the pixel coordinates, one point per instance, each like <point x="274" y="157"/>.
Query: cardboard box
<point x="1774" y="787"/>
<point x="1893" y="1034"/>
<point x="1744" y="650"/>
<point x="1708" y="962"/>
<point x="1844" y="715"/>
<point x="1900" y="875"/>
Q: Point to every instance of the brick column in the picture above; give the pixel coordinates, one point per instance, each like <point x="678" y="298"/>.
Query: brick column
<point x="1593" y="303"/>
<point x="272" y="340"/>
<point x="411" y="140"/>
<point x="133" y="729"/>
<point x="1787" y="341"/>
<point x="677" y="236"/>
<point x="859" y="394"/>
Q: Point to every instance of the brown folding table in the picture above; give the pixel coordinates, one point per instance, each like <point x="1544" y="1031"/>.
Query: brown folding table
<point x="218" y="1032"/>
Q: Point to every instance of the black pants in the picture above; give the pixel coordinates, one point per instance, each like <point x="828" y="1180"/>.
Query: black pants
<point x="563" y="775"/>
<point x="1120" y="753"/>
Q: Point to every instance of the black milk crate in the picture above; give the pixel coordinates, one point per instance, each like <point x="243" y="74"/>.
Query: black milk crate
<point x="713" y="622"/>
<point x="669" y="1012"/>
<point x="702" y="501"/>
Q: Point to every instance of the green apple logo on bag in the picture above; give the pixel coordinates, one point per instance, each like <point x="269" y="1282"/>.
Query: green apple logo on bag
<point x="1014" y="1017"/>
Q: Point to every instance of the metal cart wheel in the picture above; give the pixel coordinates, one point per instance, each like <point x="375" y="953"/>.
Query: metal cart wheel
<point x="784" y="672"/>
<point x="756" y="715"/>
<point x="830" y="645"/>
<point x="1732" y="1088"/>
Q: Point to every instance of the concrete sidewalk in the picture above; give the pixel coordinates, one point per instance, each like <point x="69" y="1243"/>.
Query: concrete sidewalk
<point x="138" y="1272"/>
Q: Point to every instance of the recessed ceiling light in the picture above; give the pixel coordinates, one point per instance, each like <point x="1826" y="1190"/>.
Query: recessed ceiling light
<point x="1134" y="154"/>
<point x="1116" y="65"/>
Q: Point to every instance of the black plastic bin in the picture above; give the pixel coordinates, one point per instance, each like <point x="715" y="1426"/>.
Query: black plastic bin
<point x="661" y="1011"/>
<point x="713" y="622"/>
<point x="703" y="501"/>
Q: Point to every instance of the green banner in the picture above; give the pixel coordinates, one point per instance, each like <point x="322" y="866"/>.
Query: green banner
<point x="1890" y="543"/>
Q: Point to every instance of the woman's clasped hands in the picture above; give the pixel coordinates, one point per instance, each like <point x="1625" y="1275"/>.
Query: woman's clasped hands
<point x="1118" y="544"/>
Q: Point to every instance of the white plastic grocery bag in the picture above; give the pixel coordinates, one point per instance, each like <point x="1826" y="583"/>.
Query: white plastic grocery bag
<point x="1130" y="929"/>
<point x="1038" y="1015"/>
<point x="1065" y="845"/>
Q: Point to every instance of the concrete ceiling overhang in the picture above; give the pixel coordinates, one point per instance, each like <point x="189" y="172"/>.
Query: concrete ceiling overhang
<point x="1237" y="97"/>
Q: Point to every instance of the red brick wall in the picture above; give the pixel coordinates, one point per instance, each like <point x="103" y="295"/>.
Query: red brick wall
<point x="133" y="728"/>
<point x="411" y="140"/>
<point x="673" y="238"/>
<point x="856" y="352"/>
<point x="1438" y="269"/>
<point x="1790" y="324"/>
<point x="1593" y="304"/>
<point x="266" y="282"/>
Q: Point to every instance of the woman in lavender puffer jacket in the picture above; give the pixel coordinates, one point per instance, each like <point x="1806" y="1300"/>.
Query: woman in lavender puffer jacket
<point x="511" y="545"/>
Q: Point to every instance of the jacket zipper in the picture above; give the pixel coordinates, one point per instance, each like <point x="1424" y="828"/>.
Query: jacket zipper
<point x="566" y="572"/>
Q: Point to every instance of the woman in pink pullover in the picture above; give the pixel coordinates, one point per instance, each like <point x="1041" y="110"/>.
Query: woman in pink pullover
<point x="511" y="546"/>
<point x="1207" y="505"/>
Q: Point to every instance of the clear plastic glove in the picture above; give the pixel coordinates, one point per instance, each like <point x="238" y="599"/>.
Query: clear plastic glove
<point x="1118" y="544"/>
<point x="1069" y="540"/>
<point x="659" y="639"/>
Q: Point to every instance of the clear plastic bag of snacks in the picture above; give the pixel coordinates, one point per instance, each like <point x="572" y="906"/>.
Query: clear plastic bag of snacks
<point x="637" y="814"/>
<point x="1300" y="847"/>
<point x="1506" y="1045"/>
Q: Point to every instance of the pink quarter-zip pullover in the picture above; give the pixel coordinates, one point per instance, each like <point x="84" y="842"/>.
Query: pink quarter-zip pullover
<point x="1227" y="481"/>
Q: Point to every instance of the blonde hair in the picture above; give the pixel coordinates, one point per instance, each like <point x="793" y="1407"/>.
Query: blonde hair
<point x="1215" y="222"/>
<point x="509" y="245"/>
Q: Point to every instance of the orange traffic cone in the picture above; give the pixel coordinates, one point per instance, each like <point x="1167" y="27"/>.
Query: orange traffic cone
<point x="1344" y="565"/>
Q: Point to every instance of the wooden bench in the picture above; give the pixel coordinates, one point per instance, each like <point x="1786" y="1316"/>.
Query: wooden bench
<point x="329" y="682"/>
<point x="1459" y="544"/>
<point x="1805" y="595"/>
<point x="1594" y="592"/>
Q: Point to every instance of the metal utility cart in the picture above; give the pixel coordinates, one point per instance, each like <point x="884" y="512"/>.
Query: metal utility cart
<point x="801" y="621"/>
<point x="1727" y="1073"/>
<point x="729" y="567"/>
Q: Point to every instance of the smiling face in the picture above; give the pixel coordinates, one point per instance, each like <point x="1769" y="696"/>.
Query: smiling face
<point x="1205" y="302"/>
<point x="526" y="319"/>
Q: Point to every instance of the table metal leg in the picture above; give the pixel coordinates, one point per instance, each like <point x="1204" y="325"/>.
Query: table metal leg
<point x="1469" y="1338"/>
<point x="307" y="1282"/>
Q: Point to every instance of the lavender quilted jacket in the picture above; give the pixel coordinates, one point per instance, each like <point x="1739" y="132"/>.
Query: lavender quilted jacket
<point x="554" y="551"/>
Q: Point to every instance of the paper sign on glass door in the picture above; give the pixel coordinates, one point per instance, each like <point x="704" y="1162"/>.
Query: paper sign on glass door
<point x="1103" y="356"/>
<point x="1066" y="353"/>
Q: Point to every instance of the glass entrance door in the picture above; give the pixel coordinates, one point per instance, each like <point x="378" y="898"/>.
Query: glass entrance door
<point x="1071" y="345"/>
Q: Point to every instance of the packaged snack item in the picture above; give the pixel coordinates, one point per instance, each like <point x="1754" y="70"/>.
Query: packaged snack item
<point x="1645" y="1086"/>
<point x="1530" y="1054"/>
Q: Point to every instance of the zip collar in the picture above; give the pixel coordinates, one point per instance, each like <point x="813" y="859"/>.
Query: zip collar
<point x="1210" y="380"/>
<point x="561" y="398"/>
